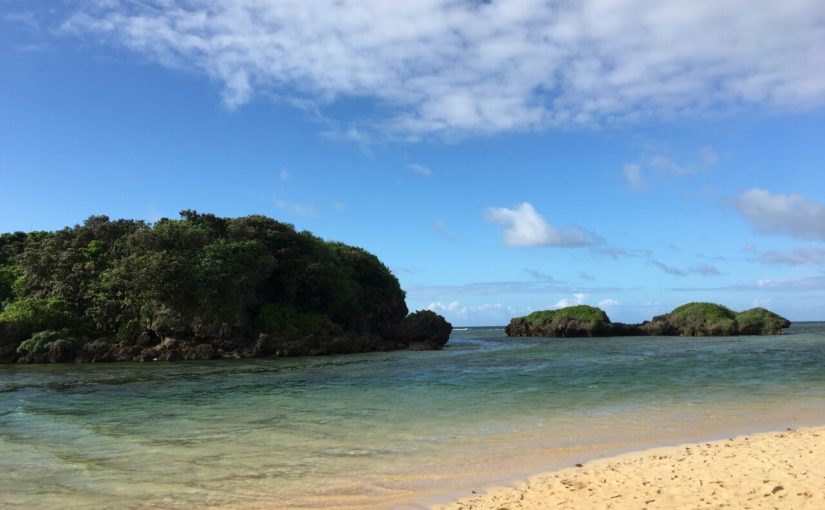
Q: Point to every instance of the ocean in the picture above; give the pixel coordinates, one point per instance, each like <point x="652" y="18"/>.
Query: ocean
<point x="384" y="430"/>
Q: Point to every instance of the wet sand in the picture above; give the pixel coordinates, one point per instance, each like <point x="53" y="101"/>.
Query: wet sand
<point x="773" y="470"/>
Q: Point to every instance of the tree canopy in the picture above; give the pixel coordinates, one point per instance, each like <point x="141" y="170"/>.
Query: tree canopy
<point x="200" y="276"/>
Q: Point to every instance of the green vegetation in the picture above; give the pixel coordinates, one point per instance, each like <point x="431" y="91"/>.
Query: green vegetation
<point x="691" y="319"/>
<point x="579" y="312"/>
<point x="199" y="277"/>
<point x="756" y="320"/>
<point x="712" y="318"/>
<point x="709" y="312"/>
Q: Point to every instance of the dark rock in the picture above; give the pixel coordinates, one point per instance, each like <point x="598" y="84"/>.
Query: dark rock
<point x="424" y="330"/>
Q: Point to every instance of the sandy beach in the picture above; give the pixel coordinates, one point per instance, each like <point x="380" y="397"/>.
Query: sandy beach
<point x="771" y="470"/>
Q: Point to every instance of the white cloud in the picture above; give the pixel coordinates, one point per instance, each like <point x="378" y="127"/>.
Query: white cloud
<point x="606" y="303"/>
<point x="298" y="208"/>
<point x="578" y="299"/>
<point x="524" y="226"/>
<point x="450" y="67"/>
<point x="791" y="215"/>
<point x="420" y="169"/>
<point x="633" y="174"/>
<point x="455" y="311"/>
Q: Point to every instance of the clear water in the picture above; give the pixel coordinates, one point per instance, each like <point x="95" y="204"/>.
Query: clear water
<point x="384" y="429"/>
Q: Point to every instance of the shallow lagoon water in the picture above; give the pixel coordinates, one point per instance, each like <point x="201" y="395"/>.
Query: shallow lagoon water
<point x="383" y="429"/>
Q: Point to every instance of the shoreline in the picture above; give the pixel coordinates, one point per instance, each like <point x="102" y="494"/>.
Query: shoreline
<point x="766" y="469"/>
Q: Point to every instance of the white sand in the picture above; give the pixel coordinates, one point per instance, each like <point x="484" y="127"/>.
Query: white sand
<point x="775" y="470"/>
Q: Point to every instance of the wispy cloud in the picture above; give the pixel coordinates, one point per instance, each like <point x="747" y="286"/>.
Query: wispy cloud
<point x="420" y="169"/>
<point x="699" y="269"/>
<point x="465" y="67"/>
<point x="440" y="229"/>
<point x="524" y="226"/>
<point x="297" y="208"/>
<point x="634" y="177"/>
<point x="502" y="288"/>
<point x="802" y="256"/>
<point x="283" y="174"/>
<point x="586" y="276"/>
<point x="805" y="284"/>
<point x="539" y="275"/>
<point x="662" y="165"/>
<point x="791" y="215"/>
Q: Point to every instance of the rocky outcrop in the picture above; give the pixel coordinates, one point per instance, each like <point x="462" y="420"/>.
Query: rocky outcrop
<point x="424" y="330"/>
<point x="692" y="319"/>
<point x="574" y="321"/>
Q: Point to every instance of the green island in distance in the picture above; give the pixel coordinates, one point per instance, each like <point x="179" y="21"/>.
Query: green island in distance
<point x="198" y="287"/>
<point x="691" y="319"/>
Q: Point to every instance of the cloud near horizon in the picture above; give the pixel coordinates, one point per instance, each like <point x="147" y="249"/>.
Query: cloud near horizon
<point x="791" y="215"/>
<point x="462" y="67"/>
<point x="524" y="226"/>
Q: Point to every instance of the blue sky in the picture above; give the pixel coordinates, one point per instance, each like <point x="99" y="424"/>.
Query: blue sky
<point x="499" y="157"/>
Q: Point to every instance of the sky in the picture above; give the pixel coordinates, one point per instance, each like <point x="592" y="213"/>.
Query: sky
<point x="499" y="157"/>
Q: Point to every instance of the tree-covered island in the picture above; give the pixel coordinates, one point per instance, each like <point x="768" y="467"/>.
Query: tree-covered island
<point x="198" y="287"/>
<point x="691" y="319"/>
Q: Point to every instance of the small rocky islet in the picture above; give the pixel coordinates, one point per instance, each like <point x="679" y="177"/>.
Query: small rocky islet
<point x="691" y="319"/>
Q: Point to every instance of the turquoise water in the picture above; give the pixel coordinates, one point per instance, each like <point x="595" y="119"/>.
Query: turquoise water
<point x="383" y="429"/>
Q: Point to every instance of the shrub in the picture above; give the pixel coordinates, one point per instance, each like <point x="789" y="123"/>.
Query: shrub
<point x="38" y="314"/>
<point x="42" y="341"/>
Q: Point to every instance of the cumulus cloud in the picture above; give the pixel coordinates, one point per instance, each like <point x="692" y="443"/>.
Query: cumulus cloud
<point x="791" y="215"/>
<point x="698" y="269"/>
<point x="524" y="226"/>
<point x="578" y="298"/>
<point x="469" y="67"/>
<point x="454" y="310"/>
<point x="606" y="303"/>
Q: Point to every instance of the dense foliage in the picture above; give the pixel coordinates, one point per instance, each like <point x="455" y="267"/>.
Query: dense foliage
<point x="691" y="319"/>
<point x="578" y="312"/>
<point x="197" y="277"/>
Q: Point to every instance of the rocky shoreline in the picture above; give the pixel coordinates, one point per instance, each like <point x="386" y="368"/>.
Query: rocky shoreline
<point x="419" y="331"/>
